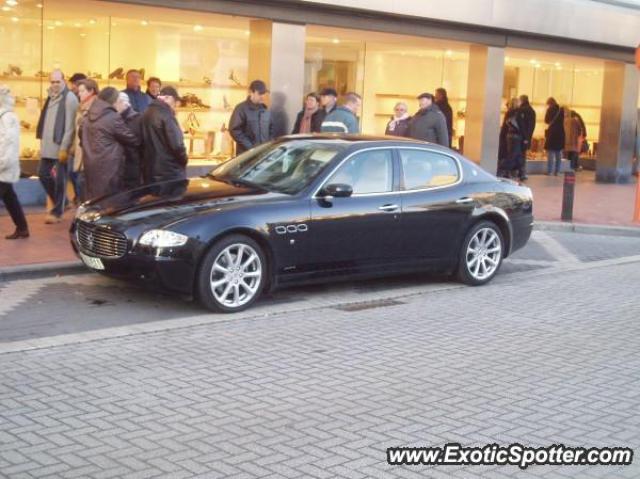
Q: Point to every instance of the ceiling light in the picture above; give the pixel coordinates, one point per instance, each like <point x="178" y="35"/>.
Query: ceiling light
<point x="11" y="3"/>
<point x="83" y="35"/>
<point x="77" y="25"/>
<point x="533" y="61"/>
<point x="144" y="23"/>
<point x="50" y="27"/>
<point x="6" y="9"/>
<point x="449" y="53"/>
<point x="58" y="23"/>
<point x="38" y="5"/>
<point x="336" y="40"/>
<point x="197" y="28"/>
<point x="15" y="19"/>
<point x="247" y="32"/>
<point x="92" y="22"/>
<point x="506" y="59"/>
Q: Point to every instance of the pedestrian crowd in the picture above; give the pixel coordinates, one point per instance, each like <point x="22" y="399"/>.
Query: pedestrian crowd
<point x="104" y="141"/>
<point x="565" y="131"/>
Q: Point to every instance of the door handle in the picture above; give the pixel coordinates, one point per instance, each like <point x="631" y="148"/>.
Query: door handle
<point x="388" y="207"/>
<point x="464" y="200"/>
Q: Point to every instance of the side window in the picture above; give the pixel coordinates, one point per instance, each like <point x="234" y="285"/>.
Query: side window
<point x="367" y="172"/>
<point x="427" y="169"/>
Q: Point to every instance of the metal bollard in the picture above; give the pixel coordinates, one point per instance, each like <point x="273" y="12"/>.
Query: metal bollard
<point x="568" y="192"/>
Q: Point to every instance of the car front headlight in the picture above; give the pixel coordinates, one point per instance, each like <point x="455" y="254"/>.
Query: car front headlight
<point x="163" y="239"/>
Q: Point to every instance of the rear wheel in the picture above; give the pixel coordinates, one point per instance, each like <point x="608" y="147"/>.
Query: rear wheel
<point x="481" y="254"/>
<point x="232" y="275"/>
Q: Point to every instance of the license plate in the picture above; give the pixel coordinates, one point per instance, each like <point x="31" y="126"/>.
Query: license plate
<point x="91" y="262"/>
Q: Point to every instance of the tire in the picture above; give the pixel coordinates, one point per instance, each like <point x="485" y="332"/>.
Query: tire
<point x="225" y="286"/>
<point x="487" y="260"/>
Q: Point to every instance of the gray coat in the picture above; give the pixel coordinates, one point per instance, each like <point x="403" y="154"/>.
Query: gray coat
<point x="430" y="125"/>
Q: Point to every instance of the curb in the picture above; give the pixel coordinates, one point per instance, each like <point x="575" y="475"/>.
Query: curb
<point x="41" y="270"/>
<point x="45" y="270"/>
<point x="608" y="230"/>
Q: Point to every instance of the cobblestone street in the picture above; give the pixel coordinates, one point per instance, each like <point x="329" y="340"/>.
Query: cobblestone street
<point x="104" y="379"/>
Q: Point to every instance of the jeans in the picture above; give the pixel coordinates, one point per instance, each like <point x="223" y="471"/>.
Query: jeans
<point x="53" y="176"/>
<point x="10" y="199"/>
<point x="551" y="155"/>
<point x="77" y="180"/>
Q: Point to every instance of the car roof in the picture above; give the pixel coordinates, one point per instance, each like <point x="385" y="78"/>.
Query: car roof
<point x="362" y="140"/>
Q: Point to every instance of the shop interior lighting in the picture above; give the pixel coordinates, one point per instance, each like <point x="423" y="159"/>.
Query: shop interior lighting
<point x="92" y="22"/>
<point x="6" y="9"/>
<point x="15" y="19"/>
<point x="336" y="40"/>
<point x="11" y="3"/>
<point x="198" y="28"/>
<point x="38" y="5"/>
<point x="144" y="23"/>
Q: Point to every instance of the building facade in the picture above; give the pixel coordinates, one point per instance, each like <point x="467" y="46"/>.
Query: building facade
<point x="484" y="52"/>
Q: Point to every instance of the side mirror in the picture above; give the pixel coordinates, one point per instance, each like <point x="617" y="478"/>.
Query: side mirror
<point x="337" y="190"/>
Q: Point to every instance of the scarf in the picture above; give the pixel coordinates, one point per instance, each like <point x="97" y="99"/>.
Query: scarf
<point x="394" y="121"/>
<point x="305" y="124"/>
<point x="61" y="117"/>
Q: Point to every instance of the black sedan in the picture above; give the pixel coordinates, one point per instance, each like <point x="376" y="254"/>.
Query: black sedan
<point x="307" y="208"/>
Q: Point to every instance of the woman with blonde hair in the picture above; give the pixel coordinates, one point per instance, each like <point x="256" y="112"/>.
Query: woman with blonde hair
<point x="399" y="123"/>
<point x="10" y="163"/>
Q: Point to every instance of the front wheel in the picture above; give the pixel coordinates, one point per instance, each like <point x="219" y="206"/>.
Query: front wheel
<point x="232" y="275"/>
<point x="481" y="254"/>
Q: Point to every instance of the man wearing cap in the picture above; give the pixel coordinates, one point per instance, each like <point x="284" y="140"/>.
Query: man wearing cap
<point x="165" y="156"/>
<point x="343" y="119"/>
<point x="429" y="124"/>
<point x="250" y="123"/>
<point x="328" y="102"/>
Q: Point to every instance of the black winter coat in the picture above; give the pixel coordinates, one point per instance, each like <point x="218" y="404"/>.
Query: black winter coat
<point x="165" y="156"/>
<point x="446" y="110"/>
<point x="401" y="128"/>
<point x="554" y="134"/>
<point x="528" y="118"/>
<point x="103" y="136"/>
<point x="316" y="121"/>
<point x="133" y="154"/>
<point x="429" y="125"/>
<point x="510" y="152"/>
<point x="250" y="125"/>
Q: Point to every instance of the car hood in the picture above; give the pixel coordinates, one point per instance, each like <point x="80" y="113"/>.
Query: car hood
<point x="172" y="199"/>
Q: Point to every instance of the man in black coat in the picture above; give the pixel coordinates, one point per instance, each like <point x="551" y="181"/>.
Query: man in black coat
<point x="250" y="123"/>
<point x="429" y="124"/>
<point x="442" y="101"/>
<point x="165" y="156"/>
<point x="133" y="154"/>
<point x="528" y="120"/>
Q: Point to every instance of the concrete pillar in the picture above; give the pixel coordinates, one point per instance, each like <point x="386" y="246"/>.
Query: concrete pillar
<point x="618" y="118"/>
<point x="484" y="95"/>
<point x="276" y="56"/>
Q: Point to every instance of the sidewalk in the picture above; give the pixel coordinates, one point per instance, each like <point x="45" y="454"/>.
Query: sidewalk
<point x="595" y="203"/>
<point x="600" y="204"/>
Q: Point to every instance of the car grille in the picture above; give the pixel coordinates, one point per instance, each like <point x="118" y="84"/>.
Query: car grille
<point x="100" y="241"/>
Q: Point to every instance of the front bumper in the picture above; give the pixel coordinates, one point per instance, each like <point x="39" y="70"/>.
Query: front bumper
<point x="171" y="269"/>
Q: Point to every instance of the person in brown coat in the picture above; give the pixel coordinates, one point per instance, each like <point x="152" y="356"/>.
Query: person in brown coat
<point x="572" y="138"/>
<point x="103" y="137"/>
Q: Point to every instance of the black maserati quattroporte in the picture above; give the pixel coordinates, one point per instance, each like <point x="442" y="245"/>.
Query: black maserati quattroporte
<point x="306" y="208"/>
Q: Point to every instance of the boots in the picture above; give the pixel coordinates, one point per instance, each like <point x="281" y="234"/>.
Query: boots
<point x="18" y="234"/>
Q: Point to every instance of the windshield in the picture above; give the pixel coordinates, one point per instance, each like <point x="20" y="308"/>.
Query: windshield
<point x="285" y="167"/>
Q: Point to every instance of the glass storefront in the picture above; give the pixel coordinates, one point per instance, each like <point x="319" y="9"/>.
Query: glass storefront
<point x="386" y="69"/>
<point x="204" y="55"/>
<point x="575" y="82"/>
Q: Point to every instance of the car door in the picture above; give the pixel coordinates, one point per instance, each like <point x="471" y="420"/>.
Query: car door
<point x="435" y="210"/>
<point x="360" y="231"/>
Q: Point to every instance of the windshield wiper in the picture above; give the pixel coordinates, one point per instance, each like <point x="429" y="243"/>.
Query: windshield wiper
<point x="243" y="182"/>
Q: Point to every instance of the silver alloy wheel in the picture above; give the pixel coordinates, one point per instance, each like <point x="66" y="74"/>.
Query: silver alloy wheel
<point x="235" y="275"/>
<point x="483" y="254"/>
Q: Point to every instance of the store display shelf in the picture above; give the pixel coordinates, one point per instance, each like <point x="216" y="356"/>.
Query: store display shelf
<point x="412" y="97"/>
<point x="23" y="78"/>
<point x="186" y="84"/>
<point x="186" y="109"/>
